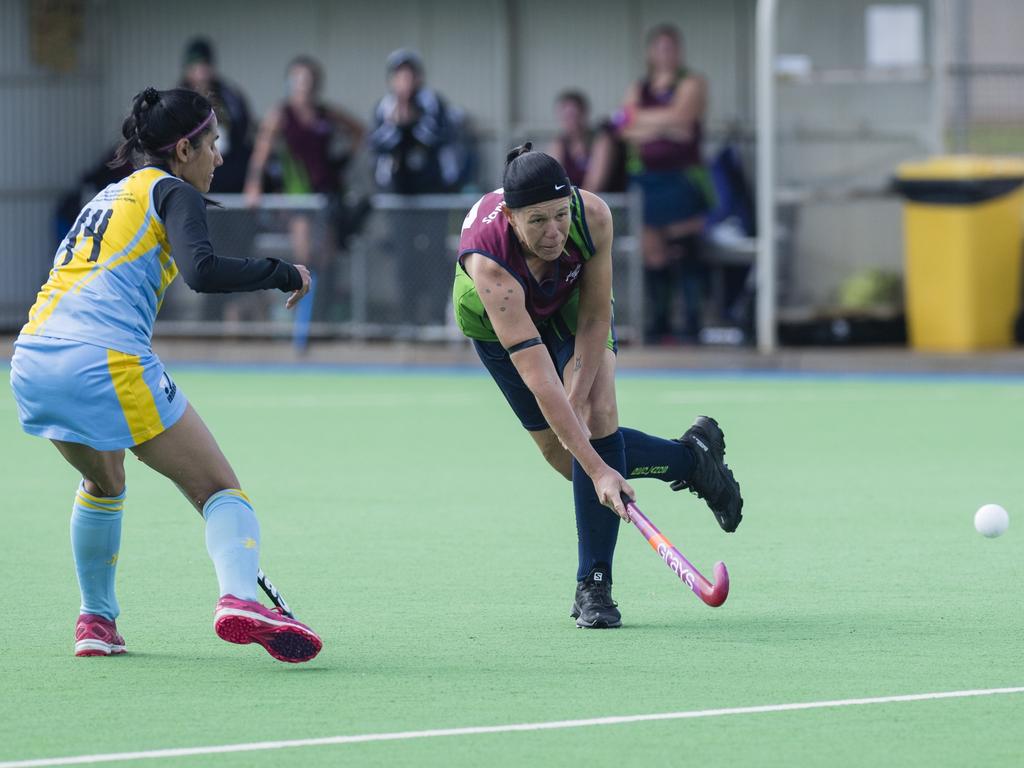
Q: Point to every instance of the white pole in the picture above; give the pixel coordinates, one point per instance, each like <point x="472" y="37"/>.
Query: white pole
<point x="506" y="76"/>
<point x="937" y="28"/>
<point x="765" y="265"/>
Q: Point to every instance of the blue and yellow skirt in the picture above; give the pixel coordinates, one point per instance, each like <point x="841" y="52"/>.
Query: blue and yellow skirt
<point x="82" y="393"/>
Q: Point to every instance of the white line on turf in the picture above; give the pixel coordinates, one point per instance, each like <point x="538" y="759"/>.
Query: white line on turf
<point x="552" y="725"/>
<point x="754" y="396"/>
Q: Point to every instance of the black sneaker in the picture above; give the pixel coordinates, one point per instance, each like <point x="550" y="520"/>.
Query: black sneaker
<point x="712" y="480"/>
<point x="593" y="607"/>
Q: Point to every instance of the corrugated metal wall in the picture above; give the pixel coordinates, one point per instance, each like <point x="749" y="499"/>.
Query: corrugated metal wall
<point x="48" y="126"/>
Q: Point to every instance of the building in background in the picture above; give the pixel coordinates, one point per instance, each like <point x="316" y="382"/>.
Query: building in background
<point x="842" y="124"/>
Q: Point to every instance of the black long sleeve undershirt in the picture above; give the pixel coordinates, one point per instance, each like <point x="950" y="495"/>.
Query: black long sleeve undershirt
<point x="183" y="211"/>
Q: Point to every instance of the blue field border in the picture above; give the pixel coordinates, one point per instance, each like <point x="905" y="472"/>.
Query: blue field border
<point x="477" y="370"/>
<point x="471" y="370"/>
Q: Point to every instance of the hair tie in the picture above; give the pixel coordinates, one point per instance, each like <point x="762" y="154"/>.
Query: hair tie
<point x="519" y="151"/>
<point x="195" y="131"/>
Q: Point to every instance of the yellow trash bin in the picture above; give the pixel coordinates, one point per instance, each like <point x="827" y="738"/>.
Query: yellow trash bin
<point x="962" y="232"/>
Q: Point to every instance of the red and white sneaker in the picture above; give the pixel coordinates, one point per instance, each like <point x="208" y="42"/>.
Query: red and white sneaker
<point x="97" y="636"/>
<point x="247" y="621"/>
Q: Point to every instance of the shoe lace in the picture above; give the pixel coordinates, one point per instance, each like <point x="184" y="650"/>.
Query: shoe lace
<point x="598" y="594"/>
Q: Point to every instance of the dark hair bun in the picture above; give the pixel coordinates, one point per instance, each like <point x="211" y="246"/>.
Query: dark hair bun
<point x="522" y="149"/>
<point x="150" y="96"/>
<point x="149" y="134"/>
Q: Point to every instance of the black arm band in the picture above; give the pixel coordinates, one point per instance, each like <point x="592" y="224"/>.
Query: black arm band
<point x="524" y="345"/>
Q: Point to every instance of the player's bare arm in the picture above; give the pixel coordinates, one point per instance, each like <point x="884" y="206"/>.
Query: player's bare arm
<point x="349" y="124"/>
<point x="673" y="121"/>
<point x="268" y="131"/>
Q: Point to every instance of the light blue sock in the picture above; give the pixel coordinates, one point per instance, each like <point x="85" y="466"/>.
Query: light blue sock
<point x="95" y="542"/>
<point x="233" y="541"/>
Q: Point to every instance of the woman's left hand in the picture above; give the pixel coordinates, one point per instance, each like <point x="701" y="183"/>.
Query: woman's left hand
<point x="296" y="296"/>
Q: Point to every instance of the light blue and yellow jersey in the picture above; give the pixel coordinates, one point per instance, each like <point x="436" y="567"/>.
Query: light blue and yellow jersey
<point x="111" y="271"/>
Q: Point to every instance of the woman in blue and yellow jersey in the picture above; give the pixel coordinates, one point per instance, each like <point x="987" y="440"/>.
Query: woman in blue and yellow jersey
<point x="84" y="374"/>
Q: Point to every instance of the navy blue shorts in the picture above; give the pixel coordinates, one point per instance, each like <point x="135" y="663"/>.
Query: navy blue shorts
<point x="670" y="197"/>
<point x="560" y="345"/>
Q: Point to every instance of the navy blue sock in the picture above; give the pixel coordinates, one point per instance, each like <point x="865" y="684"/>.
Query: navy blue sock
<point x="596" y="525"/>
<point x="649" y="456"/>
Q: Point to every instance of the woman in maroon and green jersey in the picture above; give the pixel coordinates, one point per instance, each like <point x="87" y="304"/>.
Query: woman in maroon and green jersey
<point x="533" y="292"/>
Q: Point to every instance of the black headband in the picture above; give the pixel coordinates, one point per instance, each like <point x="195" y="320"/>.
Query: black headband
<point x="520" y="198"/>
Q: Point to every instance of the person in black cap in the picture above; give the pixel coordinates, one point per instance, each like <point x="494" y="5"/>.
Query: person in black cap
<point x="415" y="146"/>
<point x="414" y="132"/>
<point x="199" y="73"/>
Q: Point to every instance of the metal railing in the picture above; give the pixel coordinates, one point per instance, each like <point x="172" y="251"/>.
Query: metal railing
<point x="382" y="272"/>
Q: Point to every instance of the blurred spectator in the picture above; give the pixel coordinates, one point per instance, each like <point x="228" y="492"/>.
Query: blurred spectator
<point x="89" y="183"/>
<point x="313" y="141"/>
<point x="199" y="73"/>
<point x="414" y="136"/>
<point x="415" y="141"/>
<point x="662" y="119"/>
<point x="594" y="159"/>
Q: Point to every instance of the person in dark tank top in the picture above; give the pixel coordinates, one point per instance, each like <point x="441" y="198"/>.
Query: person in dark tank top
<point x="594" y="159"/>
<point x="311" y="139"/>
<point x="305" y="132"/>
<point x="662" y="120"/>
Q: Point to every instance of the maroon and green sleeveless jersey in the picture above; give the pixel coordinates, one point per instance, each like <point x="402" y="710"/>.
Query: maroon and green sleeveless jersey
<point x="486" y="231"/>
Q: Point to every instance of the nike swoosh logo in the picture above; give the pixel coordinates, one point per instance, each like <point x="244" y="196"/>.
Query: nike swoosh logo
<point x="557" y="188"/>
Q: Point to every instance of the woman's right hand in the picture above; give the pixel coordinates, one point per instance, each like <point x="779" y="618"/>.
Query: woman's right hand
<point x="611" y="487"/>
<point x="296" y="296"/>
<point x="253" y="194"/>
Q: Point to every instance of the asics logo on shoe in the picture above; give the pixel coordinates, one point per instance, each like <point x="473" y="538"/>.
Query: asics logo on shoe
<point x="698" y="441"/>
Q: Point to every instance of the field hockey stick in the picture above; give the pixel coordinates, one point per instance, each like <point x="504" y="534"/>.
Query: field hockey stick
<point x="712" y="594"/>
<point x="273" y="594"/>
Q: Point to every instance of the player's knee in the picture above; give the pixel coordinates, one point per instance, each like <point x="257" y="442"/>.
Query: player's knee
<point x="106" y="482"/>
<point x="603" y="418"/>
<point x="559" y="458"/>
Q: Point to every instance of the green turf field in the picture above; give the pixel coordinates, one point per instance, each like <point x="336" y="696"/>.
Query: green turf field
<point x="410" y="521"/>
